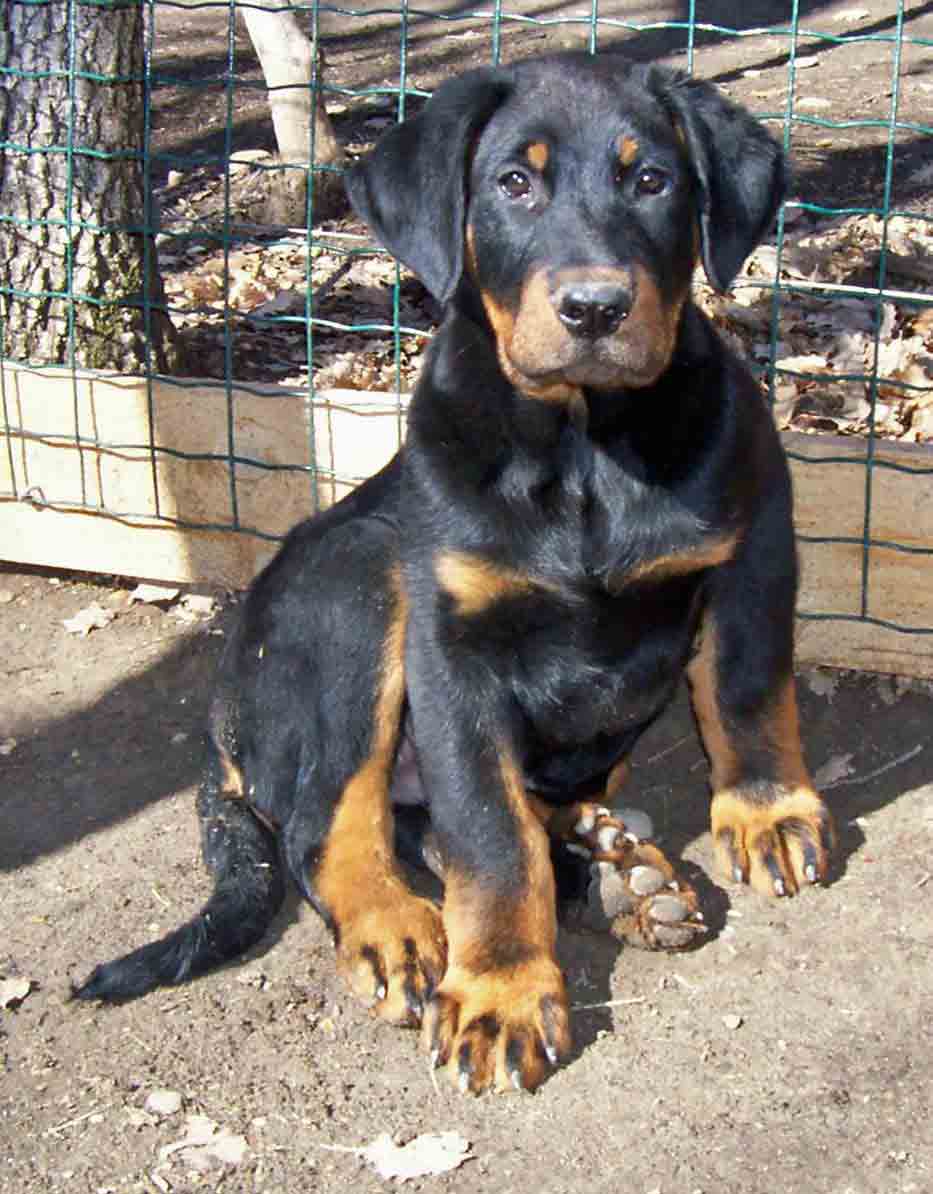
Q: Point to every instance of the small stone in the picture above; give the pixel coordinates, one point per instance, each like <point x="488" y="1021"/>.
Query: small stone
<point x="163" y="1102"/>
<point x="732" y="1021"/>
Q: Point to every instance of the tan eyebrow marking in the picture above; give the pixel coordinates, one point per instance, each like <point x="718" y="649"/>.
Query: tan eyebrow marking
<point x="627" y="148"/>
<point x="537" y="155"/>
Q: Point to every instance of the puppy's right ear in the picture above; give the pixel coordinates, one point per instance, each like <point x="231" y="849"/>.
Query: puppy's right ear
<point x="411" y="190"/>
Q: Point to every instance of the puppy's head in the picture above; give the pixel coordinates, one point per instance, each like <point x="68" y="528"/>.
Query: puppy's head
<point x="574" y="196"/>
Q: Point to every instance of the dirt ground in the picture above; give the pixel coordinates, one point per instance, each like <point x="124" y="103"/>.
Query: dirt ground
<point x="793" y="1050"/>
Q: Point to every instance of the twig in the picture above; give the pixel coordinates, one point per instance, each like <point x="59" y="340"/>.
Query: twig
<point x="70" y="1123"/>
<point x="863" y="779"/>
<point x="587" y="1007"/>
<point x="668" y="750"/>
<point x="924" y="880"/>
<point x="330" y="282"/>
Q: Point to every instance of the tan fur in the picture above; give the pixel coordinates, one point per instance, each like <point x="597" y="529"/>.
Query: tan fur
<point x="358" y="879"/>
<point x="701" y="676"/>
<point x="754" y="829"/>
<point x="476" y="583"/>
<point x="627" y="148"/>
<point x="707" y="555"/>
<point x="233" y="785"/>
<point x="537" y="155"/>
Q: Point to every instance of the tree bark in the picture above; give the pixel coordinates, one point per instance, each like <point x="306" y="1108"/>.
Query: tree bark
<point x="292" y="67"/>
<point x="79" y="280"/>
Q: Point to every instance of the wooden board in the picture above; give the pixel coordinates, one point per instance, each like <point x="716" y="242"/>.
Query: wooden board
<point x="152" y="458"/>
<point x="830" y="498"/>
<point x="116" y="468"/>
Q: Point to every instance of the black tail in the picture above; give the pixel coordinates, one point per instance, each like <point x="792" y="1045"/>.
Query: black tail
<point x="249" y="887"/>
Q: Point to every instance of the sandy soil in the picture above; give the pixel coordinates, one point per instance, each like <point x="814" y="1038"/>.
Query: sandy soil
<point x="793" y="1050"/>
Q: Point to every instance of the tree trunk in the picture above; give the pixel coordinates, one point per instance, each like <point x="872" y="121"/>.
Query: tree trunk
<point x="292" y="67"/>
<point x="79" y="280"/>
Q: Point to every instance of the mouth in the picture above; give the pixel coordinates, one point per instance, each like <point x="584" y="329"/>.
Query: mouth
<point x="629" y="361"/>
<point x="541" y="349"/>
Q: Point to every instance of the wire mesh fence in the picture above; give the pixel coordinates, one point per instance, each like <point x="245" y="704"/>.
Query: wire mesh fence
<point x="293" y="345"/>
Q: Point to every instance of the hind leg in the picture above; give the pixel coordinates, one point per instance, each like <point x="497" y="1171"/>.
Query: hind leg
<point x="339" y="749"/>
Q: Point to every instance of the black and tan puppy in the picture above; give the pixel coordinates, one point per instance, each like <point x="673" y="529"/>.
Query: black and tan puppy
<point x="591" y="502"/>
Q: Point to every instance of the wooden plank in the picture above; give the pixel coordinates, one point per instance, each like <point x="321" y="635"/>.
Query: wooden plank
<point x="830" y="500"/>
<point x="154" y="461"/>
<point x="348" y="436"/>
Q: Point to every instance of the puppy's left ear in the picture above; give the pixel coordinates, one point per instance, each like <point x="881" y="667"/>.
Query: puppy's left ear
<point x="740" y="170"/>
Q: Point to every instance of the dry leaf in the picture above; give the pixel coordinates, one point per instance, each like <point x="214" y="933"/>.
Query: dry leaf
<point x="13" y="991"/>
<point x="810" y="363"/>
<point x="205" y="1145"/>
<point x="427" y="1155"/>
<point x="94" y="617"/>
<point x="153" y="594"/>
<point x="194" y="607"/>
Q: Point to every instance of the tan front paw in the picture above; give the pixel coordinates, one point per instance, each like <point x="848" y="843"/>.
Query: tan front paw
<point x="393" y="956"/>
<point x="502" y="1028"/>
<point x="778" y="841"/>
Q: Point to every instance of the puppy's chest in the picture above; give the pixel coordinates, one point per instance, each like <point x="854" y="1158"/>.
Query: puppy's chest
<point x="583" y="556"/>
<point x="588" y="631"/>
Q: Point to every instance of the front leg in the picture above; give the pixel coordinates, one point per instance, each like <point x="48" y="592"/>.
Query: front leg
<point x="500" y="1017"/>
<point x="770" y="827"/>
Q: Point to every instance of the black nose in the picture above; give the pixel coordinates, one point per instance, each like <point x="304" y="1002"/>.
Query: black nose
<point x="593" y="309"/>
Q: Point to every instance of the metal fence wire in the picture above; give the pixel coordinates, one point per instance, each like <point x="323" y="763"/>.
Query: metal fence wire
<point x="835" y="311"/>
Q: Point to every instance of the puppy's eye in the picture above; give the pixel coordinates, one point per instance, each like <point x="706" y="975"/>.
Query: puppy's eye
<point x="651" y="182"/>
<point x="515" y="184"/>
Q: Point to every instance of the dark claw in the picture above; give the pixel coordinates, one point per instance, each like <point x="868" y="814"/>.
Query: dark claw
<point x="727" y="841"/>
<point x="550" y="1025"/>
<point x="465" y="1067"/>
<point x="810" y="866"/>
<point x="413" y="1001"/>
<point x="514" y="1053"/>
<point x="380" y="987"/>
<point x="777" y="876"/>
<point x="439" y="1050"/>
